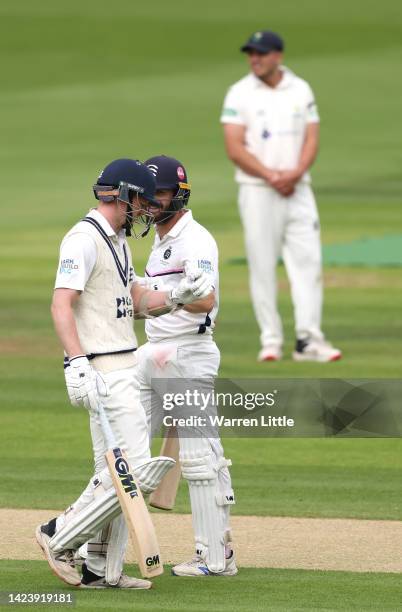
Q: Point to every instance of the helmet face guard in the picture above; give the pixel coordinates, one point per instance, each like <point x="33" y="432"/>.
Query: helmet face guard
<point x="178" y="201"/>
<point x="170" y="174"/>
<point x="128" y="181"/>
<point x="129" y="194"/>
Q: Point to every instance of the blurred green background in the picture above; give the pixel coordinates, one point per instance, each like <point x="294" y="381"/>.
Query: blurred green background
<point x="85" y="82"/>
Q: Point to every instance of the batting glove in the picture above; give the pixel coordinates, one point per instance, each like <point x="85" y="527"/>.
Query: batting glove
<point x="195" y="286"/>
<point x="84" y="383"/>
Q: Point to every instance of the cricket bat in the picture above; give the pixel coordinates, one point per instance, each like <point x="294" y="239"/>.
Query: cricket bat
<point x="164" y="495"/>
<point x="138" y="519"/>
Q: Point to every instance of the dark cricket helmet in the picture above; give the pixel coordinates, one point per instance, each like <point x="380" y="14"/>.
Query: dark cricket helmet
<point x="170" y="173"/>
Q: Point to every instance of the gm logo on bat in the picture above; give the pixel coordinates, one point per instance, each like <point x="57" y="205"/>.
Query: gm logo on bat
<point x="126" y="478"/>
<point x="150" y="561"/>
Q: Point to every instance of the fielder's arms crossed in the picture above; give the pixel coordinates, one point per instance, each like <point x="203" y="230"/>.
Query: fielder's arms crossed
<point x="237" y="152"/>
<point x="288" y="178"/>
<point x="283" y="181"/>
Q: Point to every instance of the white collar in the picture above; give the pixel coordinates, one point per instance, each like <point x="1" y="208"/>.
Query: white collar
<point x="180" y="225"/>
<point x="285" y="81"/>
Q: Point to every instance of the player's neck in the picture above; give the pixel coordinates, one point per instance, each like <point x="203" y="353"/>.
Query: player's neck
<point x="110" y="215"/>
<point x="273" y="79"/>
<point x="164" y="228"/>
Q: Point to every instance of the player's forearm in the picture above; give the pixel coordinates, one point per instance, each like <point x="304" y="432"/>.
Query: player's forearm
<point x="248" y="162"/>
<point x="66" y="329"/>
<point x="309" y="150"/>
<point x="204" y="305"/>
<point x="148" y="302"/>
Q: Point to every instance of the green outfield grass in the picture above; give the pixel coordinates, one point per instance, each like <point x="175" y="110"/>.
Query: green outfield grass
<point x="83" y="84"/>
<point x="252" y="589"/>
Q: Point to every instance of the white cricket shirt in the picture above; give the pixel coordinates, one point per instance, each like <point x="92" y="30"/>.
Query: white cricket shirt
<point x="78" y="254"/>
<point x="97" y="262"/>
<point x="275" y="120"/>
<point x="190" y="243"/>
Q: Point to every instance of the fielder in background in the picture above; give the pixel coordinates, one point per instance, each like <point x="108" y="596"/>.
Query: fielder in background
<point x="181" y="346"/>
<point x="271" y="128"/>
<point x="93" y="306"/>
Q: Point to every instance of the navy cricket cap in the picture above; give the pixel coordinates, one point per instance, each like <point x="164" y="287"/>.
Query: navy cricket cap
<point x="168" y="171"/>
<point x="264" y="41"/>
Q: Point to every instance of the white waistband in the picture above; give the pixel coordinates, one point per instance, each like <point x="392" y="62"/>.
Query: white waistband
<point x="186" y="339"/>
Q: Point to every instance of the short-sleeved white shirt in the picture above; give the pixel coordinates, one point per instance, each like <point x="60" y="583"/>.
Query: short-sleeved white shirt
<point x="275" y="120"/>
<point x="187" y="244"/>
<point x="78" y="254"/>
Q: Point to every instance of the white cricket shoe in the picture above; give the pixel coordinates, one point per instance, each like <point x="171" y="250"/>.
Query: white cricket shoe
<point x="197" y="568"/>
<point x="62" y="564"/>
<point x="316" y="350"/>
<point x="270" y="353"/>
<point x="92" y="581"/>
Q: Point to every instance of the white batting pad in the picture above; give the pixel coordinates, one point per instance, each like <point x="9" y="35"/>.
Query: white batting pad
<point x="150" y="473"/>
<point x="200" y="468"/>
<point x="84" y="525"/>
<point x="116" y="550"/>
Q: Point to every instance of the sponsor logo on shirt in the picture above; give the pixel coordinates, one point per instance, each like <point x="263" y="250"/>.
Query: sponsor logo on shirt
<point x="229" y="112"/>
<point x="124" y="307"/>
<point x="167" y="253"/>
<point x="67" y="266"/>
<point x="205" y="265"/>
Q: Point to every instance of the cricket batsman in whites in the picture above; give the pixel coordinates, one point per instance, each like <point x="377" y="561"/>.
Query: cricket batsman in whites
<point x="95" y="297"/>
<point x="180" y="345"/>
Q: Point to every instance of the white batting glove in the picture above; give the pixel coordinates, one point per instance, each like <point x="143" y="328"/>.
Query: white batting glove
<point x="195" y="286"/>
<point x="84" y="383"/>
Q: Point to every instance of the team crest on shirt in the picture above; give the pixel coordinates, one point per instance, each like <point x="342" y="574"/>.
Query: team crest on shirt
<point x="167" y="253"/>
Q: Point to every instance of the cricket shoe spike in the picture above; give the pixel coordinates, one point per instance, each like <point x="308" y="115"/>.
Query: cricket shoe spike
<point x="62" y="564"/>
<point x="316" y="350"/>
<point x="197" y="568"/>
<point x="93" y="581"/>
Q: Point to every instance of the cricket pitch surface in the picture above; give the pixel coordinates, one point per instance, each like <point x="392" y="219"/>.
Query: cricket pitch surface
<point x="259" y="541"/>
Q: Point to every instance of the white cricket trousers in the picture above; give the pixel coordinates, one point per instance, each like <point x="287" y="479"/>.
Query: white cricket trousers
<point x="191" y="357"/>
<point x="126" y="416"/>
<point x="188" y="357"/>
<point x="128" y="421"/>
<point x="275" y="227"/>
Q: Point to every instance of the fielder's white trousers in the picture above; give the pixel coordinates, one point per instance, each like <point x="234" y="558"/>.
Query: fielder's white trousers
<point x="275" y="227"/>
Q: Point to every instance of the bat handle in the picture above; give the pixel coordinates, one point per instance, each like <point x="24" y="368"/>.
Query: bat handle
<point x="106" y="429"/>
